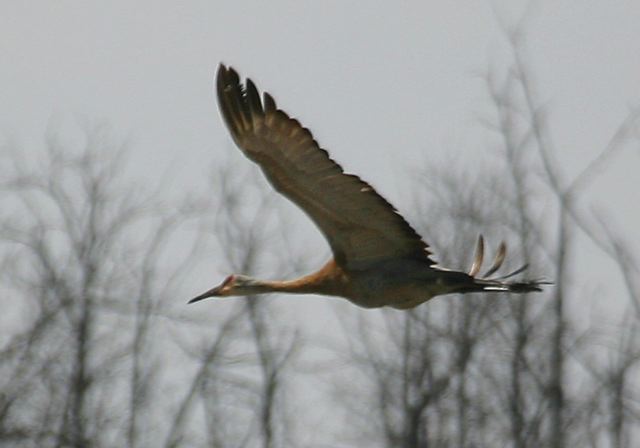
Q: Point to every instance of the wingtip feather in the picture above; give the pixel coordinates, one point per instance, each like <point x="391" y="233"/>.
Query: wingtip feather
<point x="268" y="102"/>
<point x="253" y="98"/>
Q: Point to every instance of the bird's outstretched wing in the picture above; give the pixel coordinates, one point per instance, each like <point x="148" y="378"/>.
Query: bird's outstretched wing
<point x="361" y="227"/>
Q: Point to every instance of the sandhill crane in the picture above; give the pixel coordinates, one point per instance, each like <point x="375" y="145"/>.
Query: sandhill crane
<point x="378" y="258"/>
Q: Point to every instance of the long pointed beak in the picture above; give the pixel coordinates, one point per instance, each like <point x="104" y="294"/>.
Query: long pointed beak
<point x="211" y="293"/>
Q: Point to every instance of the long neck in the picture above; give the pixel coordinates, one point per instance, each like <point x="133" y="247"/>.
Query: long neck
<point x="300" y="285"/>
<point x="325" y="281"/>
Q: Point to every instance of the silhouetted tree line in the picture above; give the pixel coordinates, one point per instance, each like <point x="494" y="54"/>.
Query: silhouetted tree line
<point x="484" y="371"/>
<point x="97" y="346"/>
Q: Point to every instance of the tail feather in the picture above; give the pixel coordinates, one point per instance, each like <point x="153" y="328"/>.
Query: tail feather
<point x="518" y="287"/>
<point x="473" y="283"/>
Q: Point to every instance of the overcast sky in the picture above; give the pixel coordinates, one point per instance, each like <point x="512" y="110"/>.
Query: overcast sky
<point x="382" y="86"/>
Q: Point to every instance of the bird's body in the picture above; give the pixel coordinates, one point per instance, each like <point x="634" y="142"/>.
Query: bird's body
<point x="378" y="258"/>
<point x="407" y="282"/>
<point x="400" y="284"/>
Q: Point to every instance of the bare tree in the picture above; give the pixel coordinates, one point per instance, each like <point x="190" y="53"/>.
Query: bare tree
<point x="82" y="253"/>
<point x="88" y="261"/>
<point x="478" y="371"/>
<point x="242" y="223"/>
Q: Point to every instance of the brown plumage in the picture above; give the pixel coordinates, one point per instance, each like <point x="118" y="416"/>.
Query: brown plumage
<point x="378" y="258"/>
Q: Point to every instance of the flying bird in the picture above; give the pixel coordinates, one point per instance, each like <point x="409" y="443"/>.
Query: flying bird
<point x="378" y="258"/>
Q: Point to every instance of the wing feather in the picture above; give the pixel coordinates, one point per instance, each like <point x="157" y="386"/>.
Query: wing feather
<point x="361" y="227"/>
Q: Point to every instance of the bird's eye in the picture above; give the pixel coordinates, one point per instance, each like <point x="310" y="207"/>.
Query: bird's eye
<point x="230" y="279"/>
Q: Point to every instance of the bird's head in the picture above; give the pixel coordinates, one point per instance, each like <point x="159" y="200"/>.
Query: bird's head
<point x="233" y="285"/>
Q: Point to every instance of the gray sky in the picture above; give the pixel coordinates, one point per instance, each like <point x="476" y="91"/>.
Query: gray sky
<point x="382" y="86"/>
